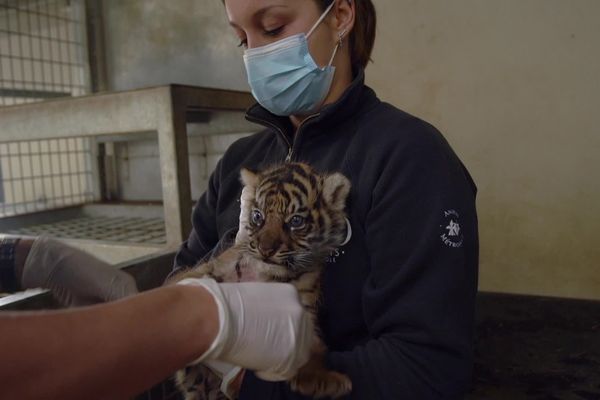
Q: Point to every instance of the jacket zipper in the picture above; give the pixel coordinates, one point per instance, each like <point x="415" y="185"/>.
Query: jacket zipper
<point x="267" y="123"/>
<point x="291" y="152"/>
<point x="288" y="157"/>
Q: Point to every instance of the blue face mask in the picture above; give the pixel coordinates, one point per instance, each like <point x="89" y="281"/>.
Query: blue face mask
<point x="284" y="77"/>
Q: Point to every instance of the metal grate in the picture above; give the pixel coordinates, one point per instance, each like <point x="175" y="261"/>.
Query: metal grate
<point x="43" y="53"/>
<point x="119" y="229"/>
<point x="39" y="175"/>
<point x="43" y="50"/>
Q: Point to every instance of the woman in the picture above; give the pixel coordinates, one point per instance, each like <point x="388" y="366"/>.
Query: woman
<point x="398" y="299"/>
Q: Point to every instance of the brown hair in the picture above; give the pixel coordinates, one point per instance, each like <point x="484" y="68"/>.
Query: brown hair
<point x="362" y="37"/>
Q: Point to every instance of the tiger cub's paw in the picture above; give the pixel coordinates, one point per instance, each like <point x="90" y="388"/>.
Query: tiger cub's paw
<point x="321" y="383"/>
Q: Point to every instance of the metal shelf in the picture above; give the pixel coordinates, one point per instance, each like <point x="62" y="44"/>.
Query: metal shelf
<point x="163" y="111"/>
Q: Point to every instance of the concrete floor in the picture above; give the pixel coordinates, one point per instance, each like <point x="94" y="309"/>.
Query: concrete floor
<point x="536" y="348"/>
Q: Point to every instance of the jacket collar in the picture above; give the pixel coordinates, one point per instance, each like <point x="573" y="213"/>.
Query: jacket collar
<point x="357" y="97"/>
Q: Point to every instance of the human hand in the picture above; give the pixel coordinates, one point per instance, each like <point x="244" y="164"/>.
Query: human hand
<point x="262" y="327"/>
<point x="75" y="277"/>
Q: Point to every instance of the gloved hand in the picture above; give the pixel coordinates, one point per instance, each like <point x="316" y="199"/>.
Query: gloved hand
<point x="228" y="373"/>
<point x="75" y="277"/>
<point x="262" y="327"/>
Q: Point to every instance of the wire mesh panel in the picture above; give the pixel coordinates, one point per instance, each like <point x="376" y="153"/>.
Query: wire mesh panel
<point x="43" y="50"/>
<point x="43" y="53"/>
<point x="116" y="229"/>
<point x="45" y="174"/>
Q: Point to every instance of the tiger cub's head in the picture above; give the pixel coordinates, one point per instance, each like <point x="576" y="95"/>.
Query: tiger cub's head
<point x="292" y="216"/>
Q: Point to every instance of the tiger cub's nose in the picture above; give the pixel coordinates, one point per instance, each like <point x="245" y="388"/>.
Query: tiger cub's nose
<point x="267" y="251"/>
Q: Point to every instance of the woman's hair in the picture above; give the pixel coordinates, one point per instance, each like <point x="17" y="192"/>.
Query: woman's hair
<point x="362" y="37"/>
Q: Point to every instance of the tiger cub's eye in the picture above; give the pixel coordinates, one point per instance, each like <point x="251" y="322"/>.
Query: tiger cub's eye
<point x="257" y="218"/>
<point x="296" y="222"/>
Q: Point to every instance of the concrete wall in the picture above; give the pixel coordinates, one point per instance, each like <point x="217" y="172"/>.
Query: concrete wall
<point x="515" y="87"/>
<point x="512" y="84"/>
<point x="138" y="165"/>
<point x="155" y="42"/>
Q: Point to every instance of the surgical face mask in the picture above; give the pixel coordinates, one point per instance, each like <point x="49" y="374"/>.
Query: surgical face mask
<point x="285" y="78"/>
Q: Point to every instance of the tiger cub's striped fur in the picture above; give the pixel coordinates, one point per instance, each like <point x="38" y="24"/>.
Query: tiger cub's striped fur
<point x="291" y="219"/>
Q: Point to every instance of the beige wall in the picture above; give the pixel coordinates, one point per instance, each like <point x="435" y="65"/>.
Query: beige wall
<point x="515" y="87"/>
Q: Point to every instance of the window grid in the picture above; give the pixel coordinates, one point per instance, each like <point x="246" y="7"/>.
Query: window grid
<point x="42" y="50"/>
<point x="39" y="175"/>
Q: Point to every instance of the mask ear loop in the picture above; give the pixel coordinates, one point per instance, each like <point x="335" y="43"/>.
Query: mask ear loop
<point x="320" y="19"/>
<point x="337" y="46"/>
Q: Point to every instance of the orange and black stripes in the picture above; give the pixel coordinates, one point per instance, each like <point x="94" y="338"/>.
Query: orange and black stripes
<point x="295" y="190"/>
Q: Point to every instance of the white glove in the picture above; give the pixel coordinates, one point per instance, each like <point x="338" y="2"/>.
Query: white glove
<point x="227" y="372"/>
<point x="262" y="327"/>
<point x="72" y="275"/>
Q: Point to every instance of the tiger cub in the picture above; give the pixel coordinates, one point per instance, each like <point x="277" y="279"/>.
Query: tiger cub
<point x="291" y="219"/>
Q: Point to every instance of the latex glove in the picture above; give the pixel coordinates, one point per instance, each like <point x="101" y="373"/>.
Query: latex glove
<point x="72" y="275"/>
<point x="262" y="327"/>
<point x="228" y="373"/>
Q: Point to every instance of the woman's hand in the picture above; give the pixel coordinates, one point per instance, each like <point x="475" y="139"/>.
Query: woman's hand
<point x="75" y="277"/>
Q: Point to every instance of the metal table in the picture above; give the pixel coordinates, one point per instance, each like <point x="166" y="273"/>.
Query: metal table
<point x="164" y="111"/>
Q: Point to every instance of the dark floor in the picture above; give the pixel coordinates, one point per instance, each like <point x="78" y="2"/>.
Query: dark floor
<point x="536" y="348"/>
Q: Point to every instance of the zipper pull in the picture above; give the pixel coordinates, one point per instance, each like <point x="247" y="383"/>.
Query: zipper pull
<point x="288" y="158"/>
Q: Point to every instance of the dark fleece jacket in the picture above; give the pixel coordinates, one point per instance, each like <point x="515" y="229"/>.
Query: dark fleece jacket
<point x="398" y="299"/>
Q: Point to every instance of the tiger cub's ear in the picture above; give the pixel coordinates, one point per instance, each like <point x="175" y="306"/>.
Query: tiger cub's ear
<point x="335" y="190"/>
<point x="249" y="178"/>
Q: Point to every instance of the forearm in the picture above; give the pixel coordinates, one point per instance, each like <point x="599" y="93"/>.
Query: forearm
<point x="114" y="350"/>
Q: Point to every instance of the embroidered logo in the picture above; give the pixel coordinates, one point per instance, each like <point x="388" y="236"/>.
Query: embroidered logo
<point x="451" y="233"/>
<point x="336" y="253"/>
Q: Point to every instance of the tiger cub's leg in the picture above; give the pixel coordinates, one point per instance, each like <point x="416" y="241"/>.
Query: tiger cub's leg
<point x="198" y="382"/>
<point x="221" y="268"/>
<point x="315" y="380"/>
<point x="206" y="270"/>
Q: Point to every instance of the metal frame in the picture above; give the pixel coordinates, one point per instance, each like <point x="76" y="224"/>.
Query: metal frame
<point x="162" y="109"/>
<point x="96" y="47"/>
